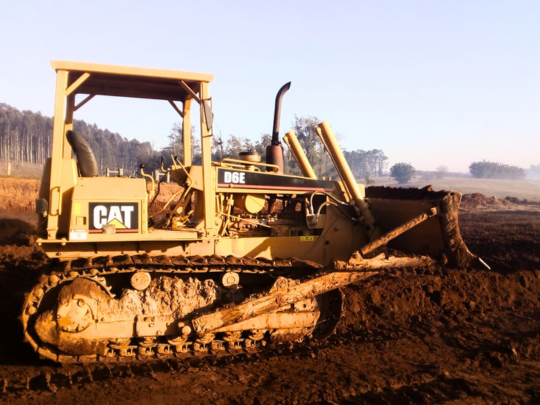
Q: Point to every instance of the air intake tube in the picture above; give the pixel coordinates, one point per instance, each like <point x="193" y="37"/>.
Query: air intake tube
<point x="274" y="152"/>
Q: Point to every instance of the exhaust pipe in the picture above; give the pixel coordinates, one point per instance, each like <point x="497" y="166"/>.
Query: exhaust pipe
<point x="274" y="152"/>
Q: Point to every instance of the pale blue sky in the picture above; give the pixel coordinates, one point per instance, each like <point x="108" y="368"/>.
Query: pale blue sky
<point x="428" y="82"/>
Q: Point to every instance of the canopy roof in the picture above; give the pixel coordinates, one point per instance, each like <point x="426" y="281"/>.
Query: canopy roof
<point x="124" y="81"/>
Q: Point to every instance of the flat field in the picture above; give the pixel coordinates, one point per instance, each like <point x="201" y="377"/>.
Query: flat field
<point x="21" y="169"/>
<point x="522" y="189"/>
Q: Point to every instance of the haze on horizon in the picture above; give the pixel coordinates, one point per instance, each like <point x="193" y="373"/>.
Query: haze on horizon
<point x="429" y="83"/>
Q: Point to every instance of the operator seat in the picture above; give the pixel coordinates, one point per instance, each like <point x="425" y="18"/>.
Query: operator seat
<point x="85" y="157"/>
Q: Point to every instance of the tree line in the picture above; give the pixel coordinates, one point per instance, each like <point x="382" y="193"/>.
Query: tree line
<point x="495" y="170"/>
<point x="404" y="172"/>
<point x="371" y="163"/>
<point x="26" y="136"/>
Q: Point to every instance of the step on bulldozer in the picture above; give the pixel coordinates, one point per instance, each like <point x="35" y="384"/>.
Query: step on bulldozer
<point x="240" y="257"/>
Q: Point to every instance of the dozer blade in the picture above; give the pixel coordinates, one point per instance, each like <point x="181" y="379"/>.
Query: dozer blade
<point x="438" y="236"/>
<point x="403" y="217"/>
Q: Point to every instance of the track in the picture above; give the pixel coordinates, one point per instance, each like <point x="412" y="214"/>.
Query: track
<point x="100" y="268"/>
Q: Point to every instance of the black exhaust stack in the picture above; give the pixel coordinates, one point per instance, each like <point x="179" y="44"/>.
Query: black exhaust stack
<point x="274" y="152"/>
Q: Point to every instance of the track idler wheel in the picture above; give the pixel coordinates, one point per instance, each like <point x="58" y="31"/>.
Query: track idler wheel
<point x="75" y="312"/>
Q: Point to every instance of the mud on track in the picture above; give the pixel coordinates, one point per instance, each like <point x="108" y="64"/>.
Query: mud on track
<point x="411" y="336"/>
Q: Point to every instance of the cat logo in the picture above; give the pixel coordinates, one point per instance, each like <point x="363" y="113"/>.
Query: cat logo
<point x="124" y="216"/>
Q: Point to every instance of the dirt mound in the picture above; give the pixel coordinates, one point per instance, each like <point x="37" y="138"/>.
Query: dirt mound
<point x="16" y="232"/>
<point x="477" y="200"/>
<point x="18" y="195"/>
<point x="474" y="199"/>
<point x="18" y="251"/>
<point x="524" y="201"/>
<point x="408" y="297"/>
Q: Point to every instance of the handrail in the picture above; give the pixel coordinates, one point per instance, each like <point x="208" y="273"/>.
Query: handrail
<point x="151" y="193"/>
<point x="274" y="168"/>
<point x="59" y="208"/>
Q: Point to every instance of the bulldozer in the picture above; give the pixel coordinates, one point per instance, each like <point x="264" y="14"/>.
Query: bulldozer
<point x="242" y="256"/>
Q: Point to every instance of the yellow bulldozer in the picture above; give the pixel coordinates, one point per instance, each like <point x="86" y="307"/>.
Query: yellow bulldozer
<point x="243" y="256"/>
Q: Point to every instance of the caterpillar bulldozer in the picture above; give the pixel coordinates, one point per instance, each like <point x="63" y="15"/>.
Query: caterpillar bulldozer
<point x="240" y="257"/>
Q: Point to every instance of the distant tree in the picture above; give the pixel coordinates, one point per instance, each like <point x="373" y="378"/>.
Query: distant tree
<point x="362" y="163"/>
<point x="402" y="172"/>
<point x="306" y="131"/>
<point x="176" y="146"/>
<point x="369" y="181"/>
<point x="217" y="147"/>
<point x="366" y="163"/>
<point x="176" y="143"/>
<point x="232" y="147"/>
<point x="261" y="144"/>
<point x="495" y="170"/>
<point x="235" y="145"/>
<point x="441" y="171"/>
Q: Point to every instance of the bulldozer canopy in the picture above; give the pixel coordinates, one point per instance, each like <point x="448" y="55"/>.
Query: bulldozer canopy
<point x="122" y="81"/>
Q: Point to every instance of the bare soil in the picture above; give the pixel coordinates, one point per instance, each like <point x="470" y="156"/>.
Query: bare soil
<point x="413" y="336"/>
<point x="18" y="195"/>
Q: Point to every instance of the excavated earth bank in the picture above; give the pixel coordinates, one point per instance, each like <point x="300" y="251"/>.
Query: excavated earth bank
<point x="414" y="336"/>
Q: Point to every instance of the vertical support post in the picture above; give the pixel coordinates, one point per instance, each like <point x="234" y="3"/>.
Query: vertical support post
<point x="55" y="197"/>
<point x="68" y="124"/>
<point x="186" y="133"/>
<point x="208" y="183"/>
<point x="328" y="138"/>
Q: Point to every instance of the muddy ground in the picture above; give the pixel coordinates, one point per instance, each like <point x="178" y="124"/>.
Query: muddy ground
<point x="418" y="336"/>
